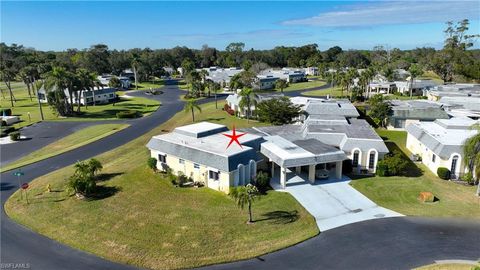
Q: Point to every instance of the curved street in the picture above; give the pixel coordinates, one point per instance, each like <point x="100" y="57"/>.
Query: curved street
<point x="393" y="243"/>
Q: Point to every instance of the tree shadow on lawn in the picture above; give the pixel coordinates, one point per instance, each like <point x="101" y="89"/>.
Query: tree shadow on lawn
<point x="103" y="192"/>
<point x="215" y="119"/>
<point x="280" y="217"/>
<point x="107" y="176"/>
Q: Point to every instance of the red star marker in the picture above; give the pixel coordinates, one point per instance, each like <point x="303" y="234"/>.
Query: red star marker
<point x="234" y="137"/>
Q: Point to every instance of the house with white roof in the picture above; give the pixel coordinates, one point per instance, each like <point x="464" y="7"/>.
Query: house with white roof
<point x="439" y="143"/>
<point x="98" y="95"/>
<point x="418" y="86"/>
<point x="405" y="112"/>
<point x="453" y="90"/>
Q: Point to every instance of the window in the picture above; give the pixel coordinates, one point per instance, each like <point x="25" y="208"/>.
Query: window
<point x="434" y="157"/>
<point x="181" y="161"/>
<point x="196" y="166"/>
<point x="213" y="175"/>
<point x="355" y="158"/>
<point x="162" y="158"/>
<point x="371" y="160"/>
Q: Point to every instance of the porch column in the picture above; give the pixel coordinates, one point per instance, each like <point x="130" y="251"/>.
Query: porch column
<point x="311" y="173"/>
<point x="338" y="169"/>
<point x="283" y="177"/>
<point x="298" y="169"/>
<point x="273" y="169"/>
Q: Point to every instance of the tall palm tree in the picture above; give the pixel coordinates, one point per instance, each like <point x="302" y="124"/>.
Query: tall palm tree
<point x="214" y="87"/>
<point x="190" y="106"/>
<point x="471" y="152"/>
<point x="415" y="71"/>
<point x="57" y="81"/>
<point x="245" y="195"/>
<point x="135" y="64"/>
<point x="87" y="81"/>
<point x="246" y="101"/>
<point x="8" y="76"/>
<point x="38" y="85"/>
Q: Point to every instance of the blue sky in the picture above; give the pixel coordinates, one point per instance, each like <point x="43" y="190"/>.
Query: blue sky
<point x="260" y="25"/>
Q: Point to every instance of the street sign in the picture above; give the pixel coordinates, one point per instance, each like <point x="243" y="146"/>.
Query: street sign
<point x="18" y="173"/>
<point x="24" y="185"/>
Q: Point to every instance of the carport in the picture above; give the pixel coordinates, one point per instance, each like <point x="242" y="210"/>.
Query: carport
<point x="295" y="154"/>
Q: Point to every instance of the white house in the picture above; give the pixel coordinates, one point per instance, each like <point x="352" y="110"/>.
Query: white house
<point x="86" y="97"/>
<point x="418" y="86"/>
<point x="439" y="143"/>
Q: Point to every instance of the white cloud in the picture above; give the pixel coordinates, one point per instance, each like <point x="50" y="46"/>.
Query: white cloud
<point x="387" y="13"/>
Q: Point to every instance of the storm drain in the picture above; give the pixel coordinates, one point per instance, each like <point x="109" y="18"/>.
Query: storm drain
<point x="356" y="210"/>
<point x="379" y="215"/>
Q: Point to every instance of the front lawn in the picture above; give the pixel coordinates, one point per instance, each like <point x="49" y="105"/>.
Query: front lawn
<point x="141" y="219"/>
<point x="400" y="193"/>
<point x="304" y="85"/>
<point x="24" y="105"/>
<point x="157" y="84"/>
<point x="332" y="91"/>
<point x="70" y="142"/>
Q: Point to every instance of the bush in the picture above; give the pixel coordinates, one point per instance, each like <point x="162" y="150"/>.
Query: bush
<point x="392" y="164"/>
<point x="152" y="163"/>
<point x="382" y="168"/>
<point x="262" y="180"/>
<point x="127" y="114"/>
<point x="443" y="173"/>
<point x="15" y="136"/>
<point x="7" y="112"/>
<point x="468" y="177"/>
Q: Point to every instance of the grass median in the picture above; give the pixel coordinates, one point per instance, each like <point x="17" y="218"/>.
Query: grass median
<point x="82" y="137"/>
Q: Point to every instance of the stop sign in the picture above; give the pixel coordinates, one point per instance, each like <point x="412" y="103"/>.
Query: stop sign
<point x="24" y="185"/>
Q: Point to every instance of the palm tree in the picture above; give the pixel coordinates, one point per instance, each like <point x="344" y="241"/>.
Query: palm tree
<point x="471" y="152"/>
<point x="246" y="101"/>
<point x="38" y="85"/>
<point x="87" y="81"/>
<point x="415" y="71"/>
<point x="94" y="166"/>
<point x="245" y="195"/>
<point x="57" y="81"/>
<point x="135" y="64"/>
<point x="281" y="84"/>
<point x="190" y="106"/>
<point x="214" y="87"/>
<point x="8" y="76"/>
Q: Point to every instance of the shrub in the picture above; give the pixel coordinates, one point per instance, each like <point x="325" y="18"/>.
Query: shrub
<point x="443" y="173"/>
<point x="15" y="136"/>
<point x="127" y="114"/>
<point x="262" y="180"/>
<point x="468" y="177"/>
<point x="152" y="163"/>
<point x="7" y="112"/>
<point x="382" y="168"/>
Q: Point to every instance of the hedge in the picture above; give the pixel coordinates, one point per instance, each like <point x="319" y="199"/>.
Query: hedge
<point x="443" y="173"/>
<point x="127" y="114"/>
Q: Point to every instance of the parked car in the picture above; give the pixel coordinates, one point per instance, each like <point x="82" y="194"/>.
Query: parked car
<point x="322" y="174"/>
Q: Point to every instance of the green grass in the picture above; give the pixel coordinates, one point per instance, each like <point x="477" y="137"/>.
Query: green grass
<point x="332" y="91"/>
<point x="304" y="85"/>
<point x="24" y="105"/>
<point x="400" y="193"/>
<point x="70" y="142"/>
<point x="448" y="266"/>
<point x="149" y="84"/>
<point x="143" y="220"/>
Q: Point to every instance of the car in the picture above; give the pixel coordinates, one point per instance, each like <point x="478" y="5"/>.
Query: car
<point x="322" y="174"/>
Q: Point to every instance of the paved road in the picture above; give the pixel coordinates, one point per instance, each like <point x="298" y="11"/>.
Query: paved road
<point x="397" y="243"/>
<point x="42" y="134"/>
<point x="391" y="243"/>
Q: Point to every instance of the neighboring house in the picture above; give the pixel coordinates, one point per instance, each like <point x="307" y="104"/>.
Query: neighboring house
<point x="468" y="106"/>
<point x="312" y="71"/>
<point x="439" y="143"/>
<point x="87" y="97"/>
<point x="404" y="113"/>
<point x="105" y="80"/>
<point x="233" y="101"/>
<point x="453" y="90"/>
<point x="375" y="88"/>
<point x="222" y="75"/>
<point x="290" y="75"/>
<point x="303" y="101"/>
<point x="265" y="82"/>
<point x="169" y="70"/>
<point x="401" y="74"/>
<point x="128" y="73"/>
<point x="418" y="87"/>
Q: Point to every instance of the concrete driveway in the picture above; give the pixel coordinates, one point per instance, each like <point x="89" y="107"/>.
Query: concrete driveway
<point x="333" y="203"/>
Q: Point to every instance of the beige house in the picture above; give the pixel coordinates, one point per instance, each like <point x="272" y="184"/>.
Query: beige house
<point x="439" y="143"/>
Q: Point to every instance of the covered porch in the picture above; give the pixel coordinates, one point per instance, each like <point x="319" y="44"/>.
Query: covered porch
<point x="309" y="159"/>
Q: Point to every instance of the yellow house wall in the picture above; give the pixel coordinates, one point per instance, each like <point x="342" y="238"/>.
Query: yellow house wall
<point x="417" y="147"/>
<point x="200" y="175"/>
